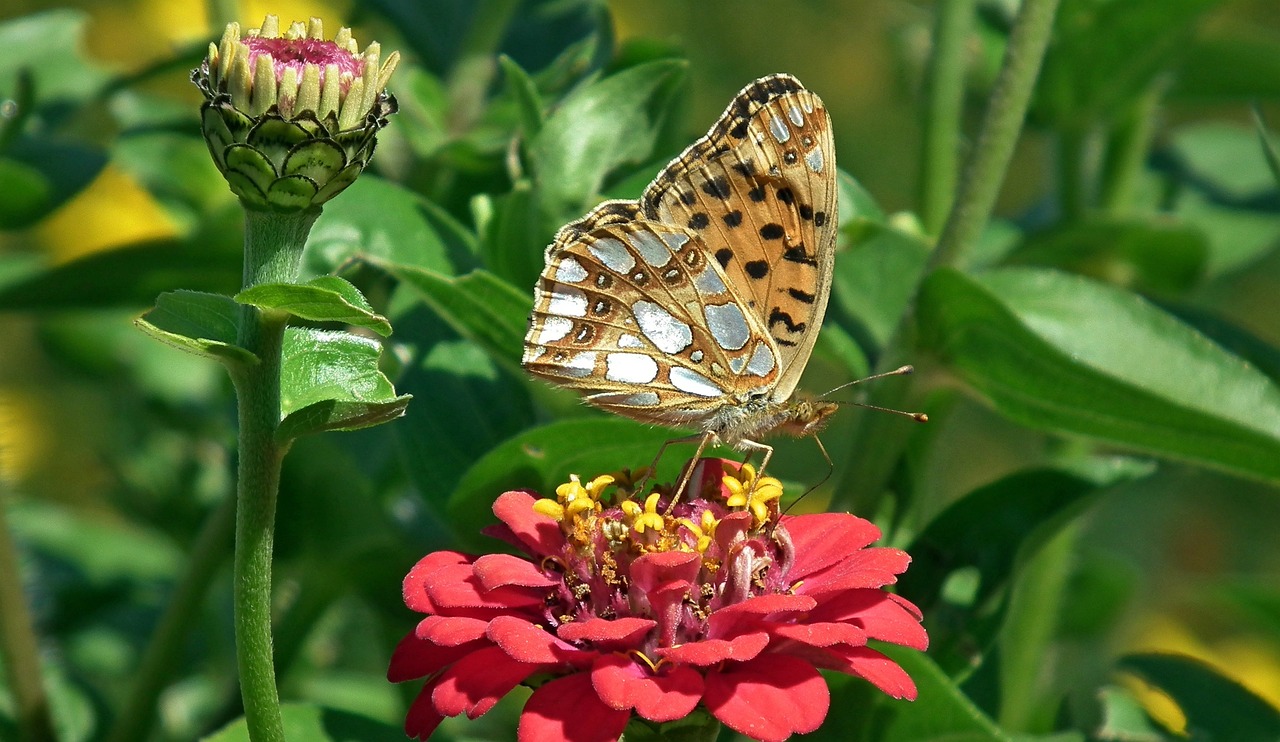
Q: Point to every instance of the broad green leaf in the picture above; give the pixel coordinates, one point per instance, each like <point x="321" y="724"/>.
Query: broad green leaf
<point x="50" y="45"/>
<point x="1268" y="146"/>
<point x="204" y="324"/>
<point x="375" y="218"/>
<point x="331" y="381"/>
<point x="1231" y="336"/>
<point x="1216" y="707"/>
<point x="876" y="277"/>
<point x="856" y="204"/>
<point x="1226" y="156"/>
<point x="479" y="306"/>
<point x="469" y="404"/>
<point x="1063" y="353"/>
<point x="1237" y="235"/>
<point x="1155" y="255"/>
<point x="26" y="194"/>
<point x="125" y="277"/>
<point x="940" y="713"/>
<point x="513" y="243"/>
<point x="981" y="534"/>
<point x="599" y="127"/>
<point x="317" y="724"/>
<point x="323" y="299"/>
<point x="542" y="458"/>
<point x="525" y="93"/>
<point x="104" y="551"/>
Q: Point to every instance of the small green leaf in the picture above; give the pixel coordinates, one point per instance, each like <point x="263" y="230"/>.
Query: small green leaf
<point x="1123" y="718"/>
<point x="204" y="324"/>
<point x="1153" y="255"/>
<point x="876" y="277"/>
<point x="541" y="458"/>
<point x="479" y="306"/>
<point x="1060" y="352"/>
<point x="323" y="299"/>
<point x="1224" y="155"/>
<point x="529" y="103"/>
<point x="26" y="194"/>
<point x="316" y="724"/>
<point x="856" y="203"/>
<point x="331" y="381"/>
<point x="375" y="218"/>
<point x="599" y="127"/>
<point x="513" y="243"/>
<point x="1216" y="707"/>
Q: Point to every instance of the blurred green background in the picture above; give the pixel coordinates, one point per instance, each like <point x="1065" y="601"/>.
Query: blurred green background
<point x="114" y="449"/>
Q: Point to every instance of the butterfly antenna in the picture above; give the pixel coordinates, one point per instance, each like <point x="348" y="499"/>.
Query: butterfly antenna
<point x="901" y="371"/>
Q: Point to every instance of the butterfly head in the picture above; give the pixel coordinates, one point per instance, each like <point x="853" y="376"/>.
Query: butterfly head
<point x="805" y="417"/>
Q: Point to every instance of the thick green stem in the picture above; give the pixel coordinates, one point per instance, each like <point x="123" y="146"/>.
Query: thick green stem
<point x="944" y="102"/>
<point x="18" y="642"/>
<point x="1072" y="194"/>
<point x="163" y="655"/>
<point x="1034" y="610"/>
<point x="1127" y="151"/>
<point x="273" y="252"/>
<point x="879" y="439"/>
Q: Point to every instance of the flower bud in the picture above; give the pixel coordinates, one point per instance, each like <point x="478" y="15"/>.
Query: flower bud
<point x="290" y="118"/>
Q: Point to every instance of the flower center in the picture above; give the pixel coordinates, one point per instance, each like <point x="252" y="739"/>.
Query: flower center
<point x="295" y="54"/>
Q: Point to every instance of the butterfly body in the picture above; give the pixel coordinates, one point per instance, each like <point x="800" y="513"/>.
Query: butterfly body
<point x="699" y="304"/>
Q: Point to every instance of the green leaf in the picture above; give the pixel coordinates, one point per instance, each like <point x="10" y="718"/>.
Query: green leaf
<point x="528" y="102"/>
<point x="597" y="128"/>
<point x="330" y="381"/>
<point x="1154" y="255"/>
<point x="942" y="712"/>
<point x="479" y="306"/>
<point x="1060" y="352"/>
<point x="50" y="45"/>
<point x="26" y="194"/>
<point x="876" y="277"/>
<point x="204" y="324"/>
<point x="316" y="724"/>
<point x="125" y="277"/>
<point x="1223" y="64"/>
<point x="323" y="299"/>
<point x="1237" y="236"/>
<point x="376" y="218"/>
<point x="544" y="457"/>
<point x="1268" y="146"/>
<point x="1123" y="718"/>
<point x="1225" y="155"/>
<point x="513" y="243"/>
<point x="855" y="202"/>
<point x="982" y="534"/>
<point x="1216" y="707"/>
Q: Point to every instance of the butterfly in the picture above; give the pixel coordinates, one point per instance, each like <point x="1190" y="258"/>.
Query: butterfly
<point x="699" y="304"/>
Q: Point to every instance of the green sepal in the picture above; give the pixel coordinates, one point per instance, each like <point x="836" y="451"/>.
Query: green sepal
<point x="330" y="381"/>
<point x="200" y="323"/>
<point x="316" y="160"/>
<point x="323" y="299"/>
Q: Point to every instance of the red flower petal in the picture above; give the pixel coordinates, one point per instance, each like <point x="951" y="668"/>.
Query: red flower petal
<point x="824" y="539"/>
<point x="824" y="634"/>
<point x="416" y="658"/>
<point x="524" y="642"/>
<point x="538" y="533"/>
<point x="711" y="651"/>
<point x="768" y="699"/>
<point x="752" y="613"/>
<point x="478" y="681"/>
<point x="871" y="568"/>
<point x="881" y="671"/>
<point x="882" y="615"/>
<point x="652" y="571"/>
<point x="568" y="710"/>
<point x="624" y="685"/>
<point x="415" y="591"/>
<point x="502" y="570"/>
<point x="626" y="631"/>
<point x="456" y="586"/>
<point x="422" y="718"/>
<point x="450" y="631"/>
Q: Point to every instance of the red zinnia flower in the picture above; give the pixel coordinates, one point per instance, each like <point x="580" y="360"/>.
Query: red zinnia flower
<point x="654" y="610"/>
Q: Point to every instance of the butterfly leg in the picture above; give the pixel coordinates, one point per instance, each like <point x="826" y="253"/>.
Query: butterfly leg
<point x="750" y="448"/>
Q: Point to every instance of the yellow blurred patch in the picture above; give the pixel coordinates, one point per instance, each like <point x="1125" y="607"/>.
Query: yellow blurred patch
<point x="113" y="211"/>
<point x="140" y="31"/>
<point x="23" y="440"/>
<point x="1248" y="660"/>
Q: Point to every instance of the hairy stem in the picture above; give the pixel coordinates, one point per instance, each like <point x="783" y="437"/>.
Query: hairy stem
<point x="273" y="252"/>
<point x="18" y="642"/>
<point x="944" y="100"/>
<point x="879" y="439"/>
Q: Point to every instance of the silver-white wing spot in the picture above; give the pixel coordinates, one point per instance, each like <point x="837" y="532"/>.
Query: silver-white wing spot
<point x="663" y="330"/>
<point x="630" y="368"/>
<point x="554" y="328"/>
<point x="814" y="159"/>
<point x="654" y="251"/>
<point x="580" y="365"/>
<point x="762" y="361"/>
<point x="692" y="382"/>
<point x="778" y="128"/>
<point x="612" y="253"/>
<point x="627" y="340"/>
<point x="727" y="325"/>
<point x="570" y="271"/>
<point x="708" y="282"/>
<point x="567" y="301"/>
